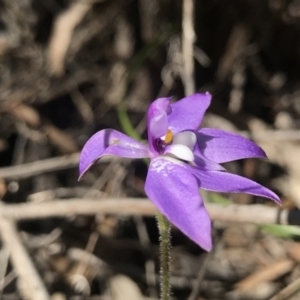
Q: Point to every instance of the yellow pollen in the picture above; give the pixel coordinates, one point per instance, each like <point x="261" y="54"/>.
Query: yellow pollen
<point x="169" y="137"/>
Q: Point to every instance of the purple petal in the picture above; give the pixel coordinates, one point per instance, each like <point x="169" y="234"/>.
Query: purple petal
<point x="174" y="190"/>
<point x="205" y="164"/>
<point x="188" y="112"/>
<point x="110" y="142"/>
<point x="221" y="146"/>
<point x="157" y="120"/>
<point x="230" y="183"/>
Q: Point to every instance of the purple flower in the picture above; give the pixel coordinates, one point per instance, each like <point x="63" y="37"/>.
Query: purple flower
<point x="184" y="158"/>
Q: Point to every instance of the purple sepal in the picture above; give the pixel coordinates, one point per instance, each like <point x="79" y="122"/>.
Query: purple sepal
<point x="188" y="113"/>
<point x="110" y="142"/>
<point x="225" y="182"/>
<point x="221" y="146"/>
<point x="174" y="191"/>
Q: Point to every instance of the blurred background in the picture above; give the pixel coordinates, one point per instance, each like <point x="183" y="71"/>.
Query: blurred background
<point x="69" y="68"/>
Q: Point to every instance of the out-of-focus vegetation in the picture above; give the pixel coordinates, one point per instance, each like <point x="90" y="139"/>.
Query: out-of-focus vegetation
<point x="70" y="68"/>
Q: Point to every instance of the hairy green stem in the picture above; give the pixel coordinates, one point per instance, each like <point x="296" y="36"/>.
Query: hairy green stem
<point x="165" y="247"/>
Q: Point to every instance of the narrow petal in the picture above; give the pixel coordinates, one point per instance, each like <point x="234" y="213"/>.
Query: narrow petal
<point x="221" y="146"/>
<point x="157" y="120"/>
<point x="109" y="142"/>
<point x="230" y="183"/>
<point x="174" y="190"/>
<point x="188" y="112"/>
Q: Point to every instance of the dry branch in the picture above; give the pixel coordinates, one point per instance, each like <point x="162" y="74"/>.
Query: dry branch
<point x="62" y="35"/>
<point x="269" y="273"/>
<point x="288" y="291"/>
<point x="256" y="214"/>
<point x="30" y="285"/>
<point x="4" y="257"/>
<point x="236" y="44"/>
<point x="188" y="38"/>
<point x="43" y="166"/>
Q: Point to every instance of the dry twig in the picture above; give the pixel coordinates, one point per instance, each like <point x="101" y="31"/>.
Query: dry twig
<point x="43" y="166"/>
<point x="30" y="285"/>
<point x="288" y="291"/>
<point x="268" y="273"/>
<point x="256" y="214"/>
<point x="4" y="257"/>
<point x="188" y="38"/>
<point x="62" y="34"/>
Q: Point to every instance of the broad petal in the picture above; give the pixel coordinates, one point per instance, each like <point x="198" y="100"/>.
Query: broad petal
<point x="221" y="146"/>
<point x="174" y="190"/>
<point x="230" y="183"/>
<point x="109" y="142"/>
<point x="157" y="120"/>
<point x="188" y="112"/>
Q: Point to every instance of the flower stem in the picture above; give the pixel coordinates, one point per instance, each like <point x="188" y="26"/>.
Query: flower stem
<point x="165" y="247"/>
